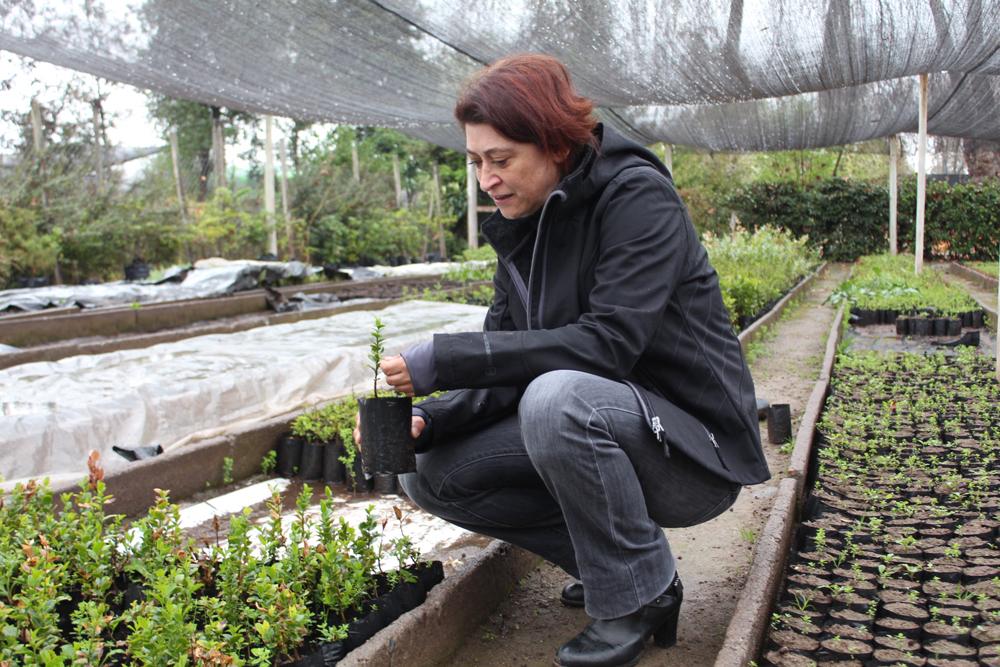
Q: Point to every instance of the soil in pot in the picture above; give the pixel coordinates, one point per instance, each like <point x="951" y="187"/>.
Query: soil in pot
<point x="888" y="656"/>
<point x="784" y="659"/>
<point x="385" y="432"/>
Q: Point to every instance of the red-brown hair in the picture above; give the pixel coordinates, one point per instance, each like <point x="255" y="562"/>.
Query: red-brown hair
<point x="529" y="98"/>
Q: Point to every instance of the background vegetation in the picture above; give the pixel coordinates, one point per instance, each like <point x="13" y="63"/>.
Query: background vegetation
<point x="70" y="213"/>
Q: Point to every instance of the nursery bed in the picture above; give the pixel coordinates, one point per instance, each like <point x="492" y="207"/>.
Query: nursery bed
<point x="896" y="561"/>
<point x="52" y="334"/>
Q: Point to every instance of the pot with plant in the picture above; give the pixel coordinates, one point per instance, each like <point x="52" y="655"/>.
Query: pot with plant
<point x="385" y="421"/>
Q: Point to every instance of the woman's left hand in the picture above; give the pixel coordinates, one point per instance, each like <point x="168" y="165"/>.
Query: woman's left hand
<point x="397" y="374"/>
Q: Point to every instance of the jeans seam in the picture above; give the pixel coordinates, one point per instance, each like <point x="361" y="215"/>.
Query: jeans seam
<point x="604" y="488"/>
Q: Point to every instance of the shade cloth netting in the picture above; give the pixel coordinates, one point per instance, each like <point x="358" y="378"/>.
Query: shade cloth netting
<point x="721" y="74"/>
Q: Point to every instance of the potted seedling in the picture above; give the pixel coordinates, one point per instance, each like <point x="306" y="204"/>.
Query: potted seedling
<point x="385" y="421"/>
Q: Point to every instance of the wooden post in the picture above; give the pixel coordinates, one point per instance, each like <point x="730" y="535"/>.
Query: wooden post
<point x="397" y="180"/>
<point x="98" y="145"/>
<point x="442" y="248"/>
<point x="176" y="158"/>
<point x="272" y="233"/>
<point x="471" y="193"/>
<point x="218" y="148"/>
<point x="893" y="194"/>
<point x="289" y="236"/>
<point x="38" y="142"/>
<point x="918" y="260"/>
<point x="668" y="158"/>
<point x="355" y="162"/>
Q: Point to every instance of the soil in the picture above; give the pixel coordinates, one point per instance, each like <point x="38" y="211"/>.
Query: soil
<point x="713" y="558"/>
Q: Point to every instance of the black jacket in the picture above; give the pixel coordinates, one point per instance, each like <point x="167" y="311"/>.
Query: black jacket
<point x="621" y="287"/>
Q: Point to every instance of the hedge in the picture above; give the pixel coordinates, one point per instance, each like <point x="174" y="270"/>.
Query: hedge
<point x="848" y="219"/>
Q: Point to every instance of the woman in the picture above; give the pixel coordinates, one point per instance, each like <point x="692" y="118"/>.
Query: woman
<point x="607" y="395"/>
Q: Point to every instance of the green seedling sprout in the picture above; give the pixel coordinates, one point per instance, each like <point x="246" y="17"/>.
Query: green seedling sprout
<point x="376" y="350"/>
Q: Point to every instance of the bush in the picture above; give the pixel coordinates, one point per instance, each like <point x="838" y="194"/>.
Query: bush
<point x="756" y="269"/>
<point x="23" y="250"/>
<point x="848" y="219"/>
<point x="383" y="237"/>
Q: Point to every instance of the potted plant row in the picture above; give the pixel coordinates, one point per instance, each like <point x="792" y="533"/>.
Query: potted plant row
<point x="897" y="561"/>
<point x="79" y="588"/>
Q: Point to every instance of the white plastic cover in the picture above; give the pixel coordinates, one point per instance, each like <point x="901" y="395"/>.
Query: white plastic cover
<point x="53" y="413"/>
<point x="209" y="278"/>
<point x="662" y="69"/>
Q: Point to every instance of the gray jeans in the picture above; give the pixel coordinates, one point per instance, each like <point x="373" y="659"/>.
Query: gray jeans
<point x="578" y="478"/>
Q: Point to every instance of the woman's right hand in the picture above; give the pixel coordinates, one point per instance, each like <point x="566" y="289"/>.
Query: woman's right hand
<point x="417" y="426"/>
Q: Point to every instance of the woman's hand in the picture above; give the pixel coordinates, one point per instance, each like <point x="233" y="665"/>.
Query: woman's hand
<point x="397" y="374"/>
<point x="417" y="425"/>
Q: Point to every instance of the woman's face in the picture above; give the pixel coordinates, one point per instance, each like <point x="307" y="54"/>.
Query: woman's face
<point x="516" y="175"/>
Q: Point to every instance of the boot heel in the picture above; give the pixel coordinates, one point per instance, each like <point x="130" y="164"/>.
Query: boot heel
<point x="666" y="635"/>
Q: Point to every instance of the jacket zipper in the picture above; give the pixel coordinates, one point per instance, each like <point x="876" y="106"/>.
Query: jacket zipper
<point x="534" y="253"/>
<point x="718" y="452"/>
<point x="652" y="420"/>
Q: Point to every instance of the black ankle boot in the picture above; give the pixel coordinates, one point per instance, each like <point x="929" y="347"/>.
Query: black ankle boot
<point x="618" y="642"/>
<point x="572" y="595"/>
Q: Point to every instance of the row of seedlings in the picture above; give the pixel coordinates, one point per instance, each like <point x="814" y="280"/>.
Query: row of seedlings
<point x="883" y="289"/>
<point x="897" y="562"/>
<point x="79" y="587"/>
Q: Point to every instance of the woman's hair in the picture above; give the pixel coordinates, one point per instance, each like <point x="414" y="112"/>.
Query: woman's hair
<point x="529" y="98"/>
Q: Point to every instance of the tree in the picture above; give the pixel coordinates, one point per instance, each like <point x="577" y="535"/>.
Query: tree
<point x="982" y="158"/>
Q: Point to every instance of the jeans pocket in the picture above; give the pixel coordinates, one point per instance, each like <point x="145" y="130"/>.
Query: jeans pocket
<point x="715" y="510"/>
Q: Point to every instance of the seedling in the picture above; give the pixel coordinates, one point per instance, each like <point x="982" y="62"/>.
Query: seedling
<point x="375" y="352"/>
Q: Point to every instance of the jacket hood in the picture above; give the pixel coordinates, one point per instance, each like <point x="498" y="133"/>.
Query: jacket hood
<point x="594" y="169"/>
<point x="599" y="167"/>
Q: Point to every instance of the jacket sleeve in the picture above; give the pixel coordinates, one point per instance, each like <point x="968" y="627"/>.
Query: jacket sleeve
<point x="465" y="410"/>
<point x="645" y="241"/>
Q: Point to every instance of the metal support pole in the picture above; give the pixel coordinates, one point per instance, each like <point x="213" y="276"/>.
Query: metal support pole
<point x="668" y="158"/>
<point x="272" y="233"/>
<point x="471" y="193"/>
<point x="893" y="194"/>
<point x="918" y="260"/>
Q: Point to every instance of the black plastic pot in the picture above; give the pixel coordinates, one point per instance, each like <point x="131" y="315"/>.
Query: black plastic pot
<point x="902" y="326"/>
<point x="384" y="482"/>
<point x="921" y="326"/>
<point x="333" y="469"/>
<point x="954" y="326"/>
<point x="779" y="423"/>
<point x="326" y="654"/>
<point x="311" y="467"/>
<point x="289" y="455"/>
<point x="940" y="326"/>
<point x="385" y="434"/>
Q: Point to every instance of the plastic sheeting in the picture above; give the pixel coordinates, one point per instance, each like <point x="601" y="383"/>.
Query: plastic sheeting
<point x="209" y="278"/>
<point x="669" y="70"/>
<point x="53" y="414"/>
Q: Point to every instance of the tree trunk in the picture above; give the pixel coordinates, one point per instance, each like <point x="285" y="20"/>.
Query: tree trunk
<point x="982" y="158"/>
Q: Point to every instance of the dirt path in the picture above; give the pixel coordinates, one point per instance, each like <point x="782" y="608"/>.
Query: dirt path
<point x="713" y="558"/>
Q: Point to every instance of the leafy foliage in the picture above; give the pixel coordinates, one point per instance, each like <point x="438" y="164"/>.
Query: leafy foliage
<point x="848" y="219"/>
<point x="755" y="269"/>
<point x="889" y="282"/>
